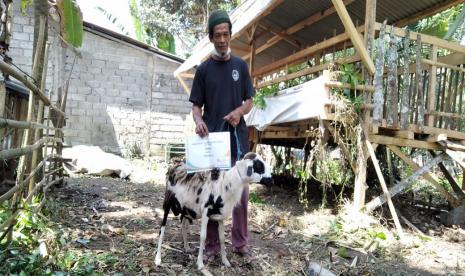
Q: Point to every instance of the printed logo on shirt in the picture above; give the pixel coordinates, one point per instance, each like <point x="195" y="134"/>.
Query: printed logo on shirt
<point x="235" y="75"/>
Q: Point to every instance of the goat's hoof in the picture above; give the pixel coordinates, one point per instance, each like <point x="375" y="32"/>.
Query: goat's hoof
<point x="205" y="272"/>
<point x="226" y="263"/>
<point x="200" y="265"/>
<point x="157" y="261"/>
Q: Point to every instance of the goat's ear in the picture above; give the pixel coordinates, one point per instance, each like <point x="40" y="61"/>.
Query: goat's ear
<point x="249" y="170"/>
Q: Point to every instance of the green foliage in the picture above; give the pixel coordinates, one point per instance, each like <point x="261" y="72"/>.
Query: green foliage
<point x="166" y="42"/>
<point x="113" y="19"/>
<point x="37" y="249"/>
<point x="71" y="21"/>
<point x="349" y="74"/>
<point x="254" y="198"/>
<point x="438" y="25"/>
<point x="261" y="94"/>
<point x="24" y="5"/>
<point x="184" y="20"/>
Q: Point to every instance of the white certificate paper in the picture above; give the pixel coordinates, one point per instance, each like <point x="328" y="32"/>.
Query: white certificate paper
<point x="209" y="152"/>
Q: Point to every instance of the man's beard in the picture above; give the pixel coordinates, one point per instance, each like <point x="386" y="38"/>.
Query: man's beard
<point x="221" y="55"/>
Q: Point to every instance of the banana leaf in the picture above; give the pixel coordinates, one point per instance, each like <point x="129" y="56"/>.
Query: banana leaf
<point x="71" y="21"/>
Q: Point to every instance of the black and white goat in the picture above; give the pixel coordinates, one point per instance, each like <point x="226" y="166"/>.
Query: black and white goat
<point x="208" y="195"/>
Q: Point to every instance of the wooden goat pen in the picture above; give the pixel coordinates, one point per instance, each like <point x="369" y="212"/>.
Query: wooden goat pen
<point x="412" y="92"/>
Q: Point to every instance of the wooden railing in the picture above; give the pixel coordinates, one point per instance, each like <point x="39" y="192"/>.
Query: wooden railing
<point x="39" y="162"/>
<point x="414" y="87"/>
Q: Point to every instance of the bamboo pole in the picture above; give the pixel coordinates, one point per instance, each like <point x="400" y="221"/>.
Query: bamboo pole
<point x="12" y="153"/>
<point x="419" y="86"/>
<point x="30" y="112"/>
<point x="432" y="84"/>
<point x="444" y="93"/>
<point x="40" y="117"/>
<point x="6" y="123"/>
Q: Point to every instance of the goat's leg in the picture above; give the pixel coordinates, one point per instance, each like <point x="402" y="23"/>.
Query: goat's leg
<point x="224" y="259"/>
<point x="184" y="230"/>
<point x="203" y="236"/>
<point x="160" y="236"/>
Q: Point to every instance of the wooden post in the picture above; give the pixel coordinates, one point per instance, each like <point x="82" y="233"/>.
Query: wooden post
<point x="378" y="96"/>
<point x="392" y="209"/>
<point x="354" y="36"/>
<point x="405" y="105"/>
<point x="369" y="37"/>
<point x="361" y="174"/>
<point x="251" y="38"/>
<point x="392" y="116"/>
<point x="419" y="85"/>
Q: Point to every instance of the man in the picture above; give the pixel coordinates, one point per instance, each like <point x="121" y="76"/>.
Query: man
<point x="223" y="89"/>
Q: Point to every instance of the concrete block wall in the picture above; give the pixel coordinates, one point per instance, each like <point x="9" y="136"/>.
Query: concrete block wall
<point x="119" y="94"/>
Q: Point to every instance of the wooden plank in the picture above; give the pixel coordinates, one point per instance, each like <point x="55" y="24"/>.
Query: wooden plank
<point x="428" y="39"/>
<point x="183" y="84"/>
<point x="386" y="192"/>
<point x="386" y="140"/>
<point x="456" y="156"/>
<point x="297" y="27"/>
<point x="432" y="84"/>
<point x="433" y="130"/>
<point x="187" y="75"/>
<point x="337" y="84"/>
<point x="441" y="64"/>
<point x="378" y="96"/>
<point x="428" y="12"/>
<point x="450" y="198"/>
<point x="354" y="35"/>
<point x="434" y="138"/>
<point x="303" y="54"/>
<point x="273" y="5"/>
<point x="402" y="185"/>
<point x="392" y="114"/>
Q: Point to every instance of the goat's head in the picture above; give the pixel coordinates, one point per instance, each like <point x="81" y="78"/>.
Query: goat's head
<point x="255" y="169"/>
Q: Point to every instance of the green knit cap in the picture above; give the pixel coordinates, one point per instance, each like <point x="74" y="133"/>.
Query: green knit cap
<point x="218" y="17"/>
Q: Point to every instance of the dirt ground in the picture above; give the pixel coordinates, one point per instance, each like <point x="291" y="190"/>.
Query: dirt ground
<point x="121" y="219"/>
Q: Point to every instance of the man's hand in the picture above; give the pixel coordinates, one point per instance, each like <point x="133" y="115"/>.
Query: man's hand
<point x="233" y="118"/>
<point x="201" y="128"/>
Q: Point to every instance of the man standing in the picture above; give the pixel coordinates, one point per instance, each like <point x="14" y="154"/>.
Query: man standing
<point x="223" y="89"/>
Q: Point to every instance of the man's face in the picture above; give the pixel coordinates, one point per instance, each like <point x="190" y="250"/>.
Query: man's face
<point x="221" y="38"/>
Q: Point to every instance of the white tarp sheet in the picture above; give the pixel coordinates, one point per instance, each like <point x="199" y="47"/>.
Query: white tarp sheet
<point x="293" y="104"/>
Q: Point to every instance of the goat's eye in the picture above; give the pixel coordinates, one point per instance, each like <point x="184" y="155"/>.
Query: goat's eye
<point x="258" y="167"/>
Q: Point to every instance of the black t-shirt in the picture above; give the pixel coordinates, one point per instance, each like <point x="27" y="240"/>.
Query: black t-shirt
<point x="220" y="87"/>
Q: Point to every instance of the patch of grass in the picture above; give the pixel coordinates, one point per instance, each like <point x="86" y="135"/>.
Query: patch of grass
<point x="254" y="198"/>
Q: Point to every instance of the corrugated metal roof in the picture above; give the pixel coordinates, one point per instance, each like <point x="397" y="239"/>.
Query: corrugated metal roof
<point x="290" y="12"/>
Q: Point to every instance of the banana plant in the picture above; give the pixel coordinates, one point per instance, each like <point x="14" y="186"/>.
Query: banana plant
<point x="70" y="17"/>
